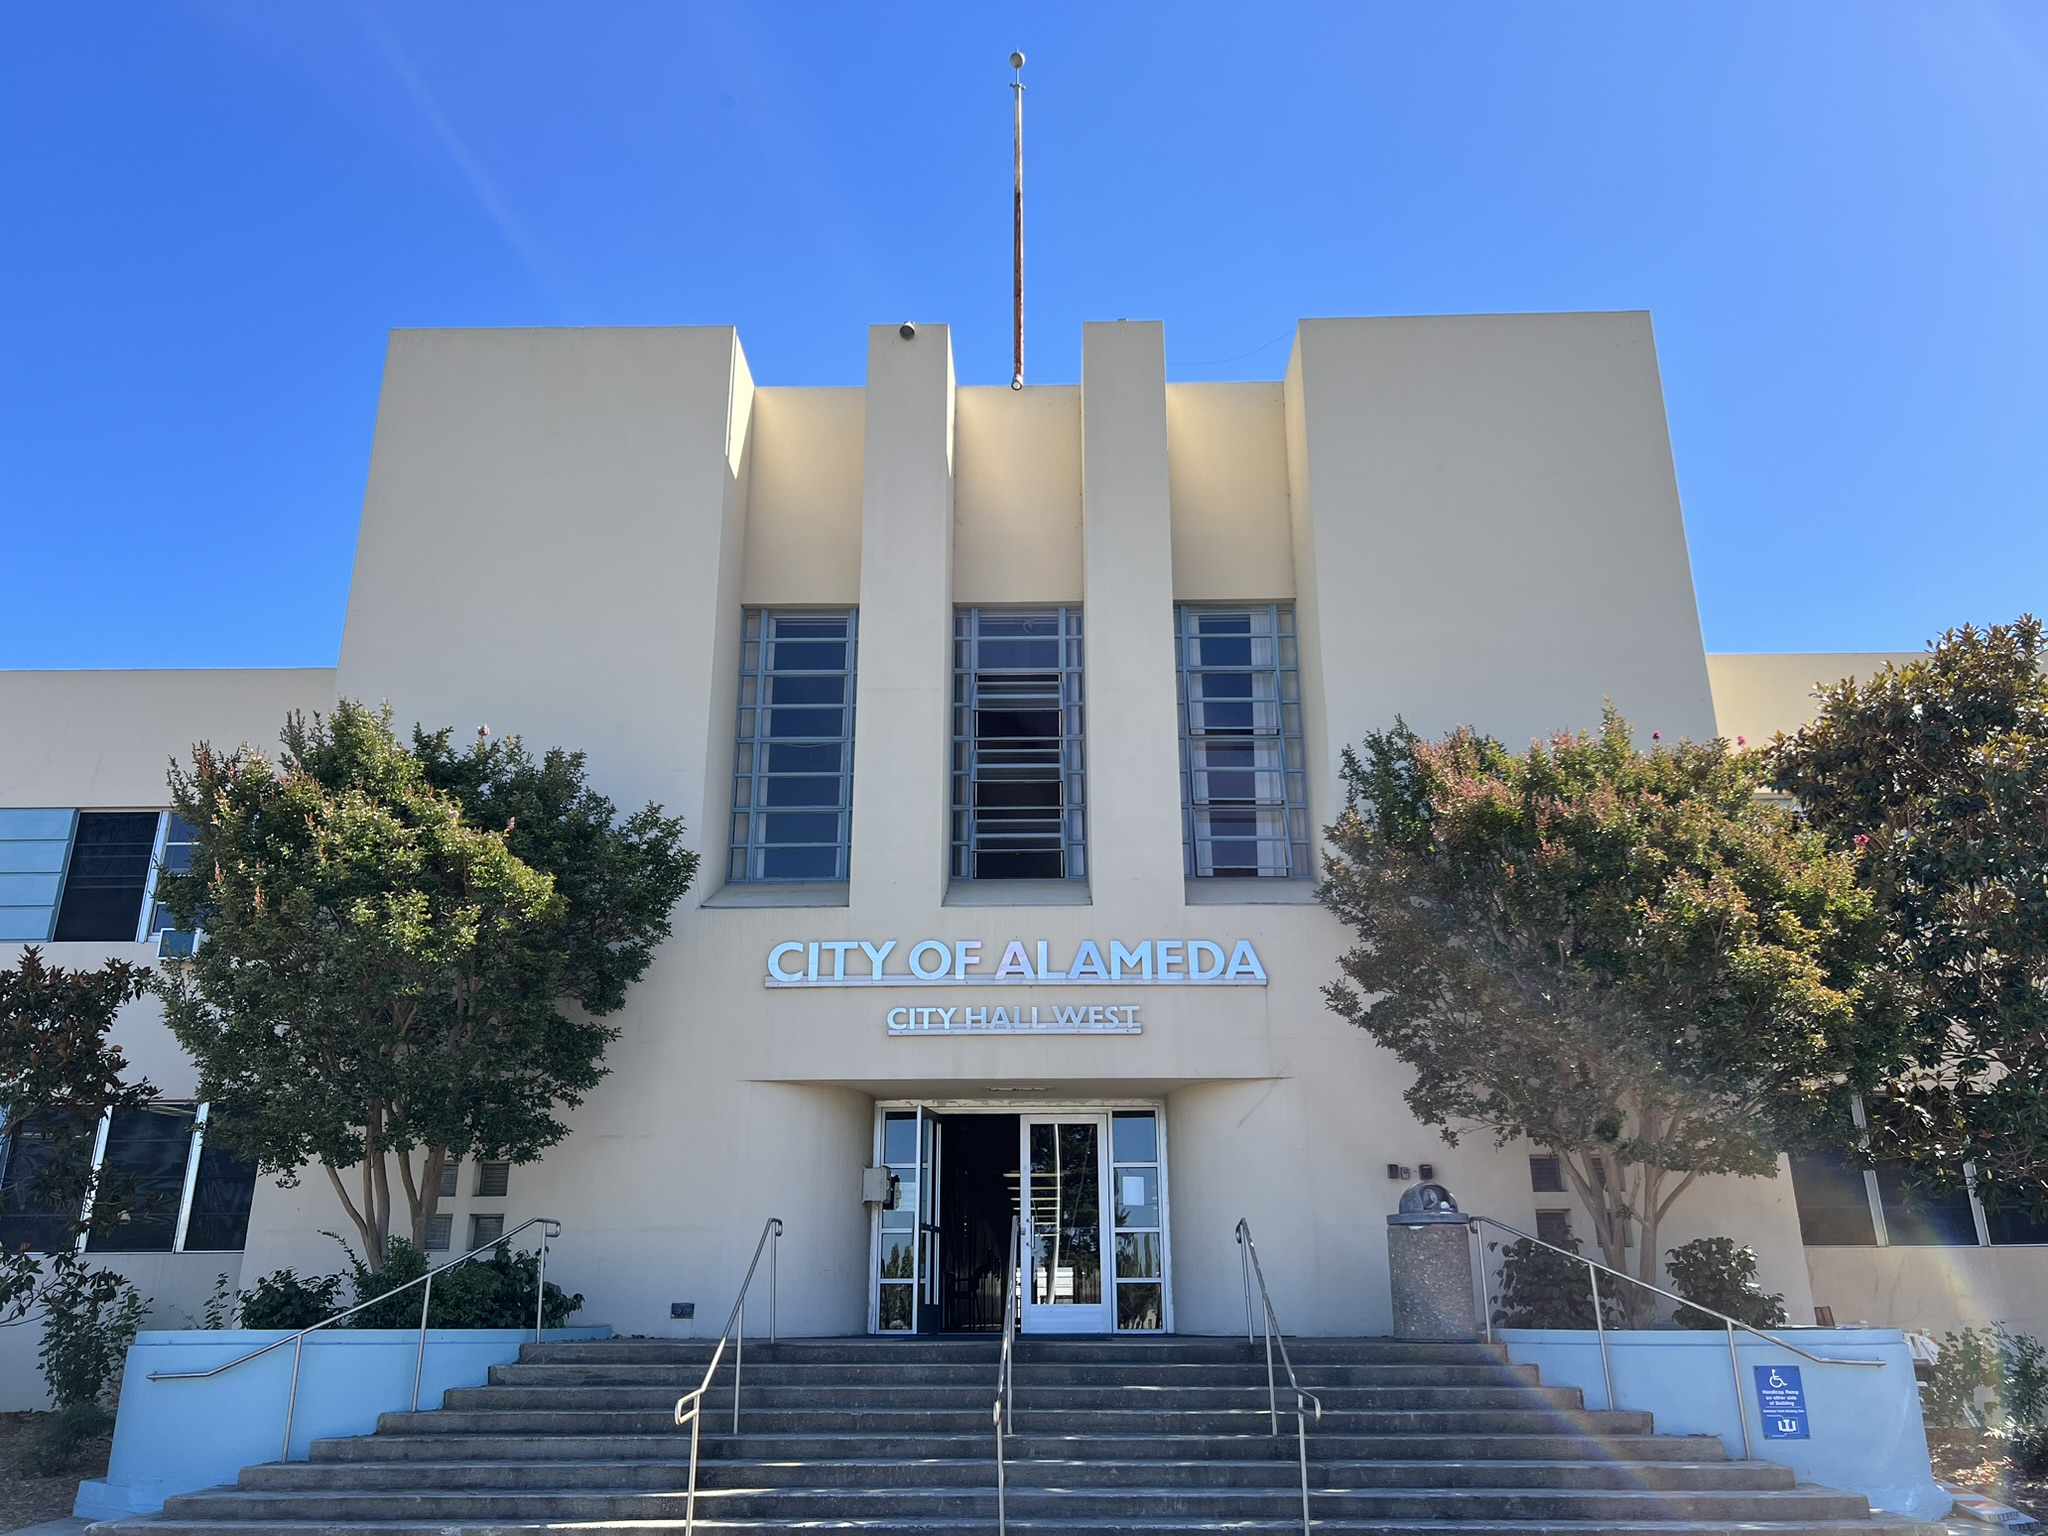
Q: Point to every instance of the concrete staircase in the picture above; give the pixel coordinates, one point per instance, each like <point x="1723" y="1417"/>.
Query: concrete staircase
<point x="1111" y="1435"/>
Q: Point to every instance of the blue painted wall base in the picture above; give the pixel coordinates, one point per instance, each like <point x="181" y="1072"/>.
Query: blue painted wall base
<point x="1863" y="1430"/>
<point x="174" y="1437"/>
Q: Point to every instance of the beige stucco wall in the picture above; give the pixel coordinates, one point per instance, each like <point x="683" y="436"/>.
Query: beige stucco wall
<point x="1934" y="1289"/>
<point x="1226" y="450"/>
<point x="1017" y="494"/>
<point x="1476" y="516"/>
<point x="803" y="498"/>
<point x="1757" y="696"/>
<point x="1489" y="520"/>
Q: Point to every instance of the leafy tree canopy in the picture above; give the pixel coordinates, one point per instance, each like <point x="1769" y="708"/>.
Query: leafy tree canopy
<point x="59" y="1074"/>
<point x="1626" y="957"/>
<point x="407" y="951"/>
<point x="1938" y="772"/>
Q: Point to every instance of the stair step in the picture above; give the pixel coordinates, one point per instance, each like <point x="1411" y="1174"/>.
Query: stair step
<point x="1147" y="1436"/>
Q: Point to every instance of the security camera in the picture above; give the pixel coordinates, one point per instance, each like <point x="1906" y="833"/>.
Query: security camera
<point x="906" y="330"/>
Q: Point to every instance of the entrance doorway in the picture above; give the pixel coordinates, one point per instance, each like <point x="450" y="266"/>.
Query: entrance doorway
<point x="1090" y="1183"/>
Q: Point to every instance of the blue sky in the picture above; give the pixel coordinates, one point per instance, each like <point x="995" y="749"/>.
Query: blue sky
<point x="212" y="213"/>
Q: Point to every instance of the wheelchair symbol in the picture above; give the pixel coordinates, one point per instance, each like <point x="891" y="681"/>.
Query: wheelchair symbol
<point x="1776" y="1379"/>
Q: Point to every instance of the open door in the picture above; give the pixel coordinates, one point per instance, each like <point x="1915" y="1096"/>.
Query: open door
<point x="1065" y="1289"/>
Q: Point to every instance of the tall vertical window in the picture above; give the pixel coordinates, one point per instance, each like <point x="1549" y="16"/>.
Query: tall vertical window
<point x="1244" y="796"/>
<point x="1019" y="802"/>
<point x="33" y="848"/>
<point x="792" y="786"/>
<point x="174" y="857"/>
<point x="108" y="875"/>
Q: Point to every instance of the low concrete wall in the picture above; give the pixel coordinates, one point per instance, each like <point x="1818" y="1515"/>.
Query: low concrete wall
<point x="1865" y="1433"/>
<point x="176" y="1436"/>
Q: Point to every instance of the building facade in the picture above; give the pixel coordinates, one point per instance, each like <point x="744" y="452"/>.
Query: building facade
<point x="1005" y="722"/>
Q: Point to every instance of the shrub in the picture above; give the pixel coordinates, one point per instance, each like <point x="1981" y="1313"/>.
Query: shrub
<point x="2011" y="1371"/>
<point x="90" y="1317"/>
<point x="283" y="1299"/>
<point x="1542" y="1289"/>
<point x="495" y="1291"/>
<point x="1715" y="1273"/>
<point x="59" y="1436"/>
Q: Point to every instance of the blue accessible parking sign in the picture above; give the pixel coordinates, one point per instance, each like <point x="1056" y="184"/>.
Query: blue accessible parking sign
<point x="1781" y="1399"/>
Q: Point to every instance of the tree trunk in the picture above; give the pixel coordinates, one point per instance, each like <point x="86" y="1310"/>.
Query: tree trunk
<point x="424" y="1199"/>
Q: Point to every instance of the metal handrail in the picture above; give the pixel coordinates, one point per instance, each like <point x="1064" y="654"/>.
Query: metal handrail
<point x="1248" y="1262"/>
<point x="1595" y="1269"/>
<point x="693" y="1415"/>
<point x="1006" y="1403"/>
<point x="549" y="1228"/>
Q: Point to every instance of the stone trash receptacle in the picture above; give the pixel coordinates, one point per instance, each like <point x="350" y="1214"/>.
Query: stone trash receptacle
<point x="1429" y="1262"/>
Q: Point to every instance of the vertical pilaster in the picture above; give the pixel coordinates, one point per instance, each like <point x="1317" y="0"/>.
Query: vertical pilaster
<point x="902" y="725"/>
<point x="1134" y="825"/>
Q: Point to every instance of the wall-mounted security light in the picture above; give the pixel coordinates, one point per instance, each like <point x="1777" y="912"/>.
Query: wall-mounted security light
<point x="906" y="330"/>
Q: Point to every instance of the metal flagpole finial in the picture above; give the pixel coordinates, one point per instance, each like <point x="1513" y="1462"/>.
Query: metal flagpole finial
<point x="1017" y="238"/>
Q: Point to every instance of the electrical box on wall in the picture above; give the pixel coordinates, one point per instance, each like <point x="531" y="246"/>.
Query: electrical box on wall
<point x="1400" y="1171"/>
<point x="874" y="1186"/>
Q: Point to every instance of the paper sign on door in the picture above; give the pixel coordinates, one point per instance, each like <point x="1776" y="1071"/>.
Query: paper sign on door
<point x="1134" y="1190"/>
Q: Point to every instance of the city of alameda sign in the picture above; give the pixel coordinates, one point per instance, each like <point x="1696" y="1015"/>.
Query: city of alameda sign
<point x="1019" y="963"/>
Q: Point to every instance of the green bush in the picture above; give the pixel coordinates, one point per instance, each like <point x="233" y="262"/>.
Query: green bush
<point x="2010" y="1370"/>
<point x="1713" y="1272"/>
<point x="494" y="1291"/>
<point x="59" y="1436"/>
<point x="1542" y="1289"/>
<point x="284" y="1299"/>
<point x="90" y="1317"/>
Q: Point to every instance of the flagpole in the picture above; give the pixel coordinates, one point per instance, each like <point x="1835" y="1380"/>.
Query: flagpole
<point x="1017" y="241"/>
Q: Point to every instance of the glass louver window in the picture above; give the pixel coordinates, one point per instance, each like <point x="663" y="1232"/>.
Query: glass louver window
<point x="33" y="847"/>
<point x="174" y="859"/>
<point x="792" y="785"/>
<point x="1019" y="801"/>
<point x="1244" y="795"/>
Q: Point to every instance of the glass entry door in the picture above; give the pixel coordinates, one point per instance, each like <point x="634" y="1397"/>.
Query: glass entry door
<point x="1065" y="1289"/>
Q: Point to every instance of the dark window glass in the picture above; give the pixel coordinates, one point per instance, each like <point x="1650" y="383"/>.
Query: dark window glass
<point x="221" y="1194"/>
<point x="108" y="872"/>
<point x="1921" y="1214"/>
<point x="1018" y="809"/>
<point x="2014" y="1224"/>
<point x="492" y="1178"/>
<point x="1554" y="1227"/>
<point x="46" y="1159"/>
<point x="440" y="1233"/>
<point x="485" y="1229"/>
<point x="451" y="1171"/>
<point x="1546" y="1175"/>
<point x="1834" y="1201"/>
<point x="143" y="1174"/>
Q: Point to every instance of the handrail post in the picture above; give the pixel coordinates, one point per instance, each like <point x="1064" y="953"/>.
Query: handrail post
<point x="690" y="1505"/>
<point x="1741" y="1408"/>
<point x="739" y="1355"/>
<point x="291" y="1402"/>
<point x="774" y="1247"/>
<point x="1244" y="1265"/>
<point x="540" y="1286"/>
<point x="1485" y="1281"/>
<point x="419" y="1360"/>
<point x="1600" y="1328"/>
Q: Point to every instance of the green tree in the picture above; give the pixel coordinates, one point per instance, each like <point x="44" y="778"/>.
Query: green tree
<point x="59" y="1075"/>
<point x="1627" y="958"/>
<point x="407" y="953"/>
<point x="1937" y="772"/>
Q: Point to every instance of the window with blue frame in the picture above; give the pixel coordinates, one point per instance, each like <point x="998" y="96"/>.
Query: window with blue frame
<point x="792" y="790"/>
<point x="1244" y="784"/>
